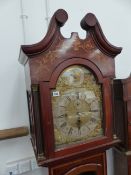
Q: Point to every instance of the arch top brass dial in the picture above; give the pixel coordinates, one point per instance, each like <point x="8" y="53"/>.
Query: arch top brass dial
<point x="77" y="108"/>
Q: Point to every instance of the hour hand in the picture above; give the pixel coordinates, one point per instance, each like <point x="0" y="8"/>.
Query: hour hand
<point x="78" y="123"/>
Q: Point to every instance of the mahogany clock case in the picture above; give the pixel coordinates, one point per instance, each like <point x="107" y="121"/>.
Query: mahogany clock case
<point x="122" y="162"/>
<point x="44" y="63"/>
<point x="122" y="103"/>
<point x="92" y="165"/>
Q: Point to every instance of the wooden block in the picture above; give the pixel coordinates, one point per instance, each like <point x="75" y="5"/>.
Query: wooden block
<point x="13" y="133"/>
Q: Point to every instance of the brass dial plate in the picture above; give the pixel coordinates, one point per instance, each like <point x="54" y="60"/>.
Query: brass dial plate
<point x="77" y="107"/>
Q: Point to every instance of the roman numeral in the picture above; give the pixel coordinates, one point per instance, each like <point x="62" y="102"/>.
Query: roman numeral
<point x="77" y="93"/>
<point x="61" y="116"/>
<point x="62" y="106"/>
<point x="94" y="110"/>
<point x="63" y="124"/>
<point x="70" y="131"/>
<point x="93" y="120"/>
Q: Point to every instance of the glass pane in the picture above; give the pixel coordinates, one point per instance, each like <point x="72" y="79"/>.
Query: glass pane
<point x="77" y="107"/>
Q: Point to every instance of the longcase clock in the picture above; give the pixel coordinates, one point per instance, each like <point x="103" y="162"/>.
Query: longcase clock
<point x="69" y="90"/>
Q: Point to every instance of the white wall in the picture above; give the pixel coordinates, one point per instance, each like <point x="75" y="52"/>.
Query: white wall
<point x="13" y="104"/>
<point x="114" y="17"/>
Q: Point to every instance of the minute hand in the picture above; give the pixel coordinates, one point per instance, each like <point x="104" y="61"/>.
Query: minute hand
<point x="78" y="121"/>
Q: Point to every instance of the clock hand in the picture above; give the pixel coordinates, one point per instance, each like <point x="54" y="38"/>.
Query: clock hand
<point x="78" y="121"/>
